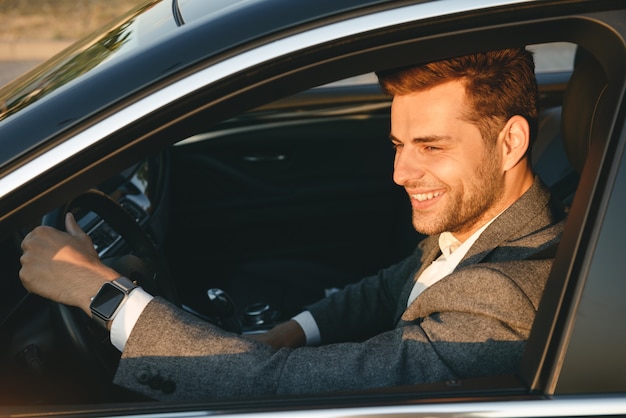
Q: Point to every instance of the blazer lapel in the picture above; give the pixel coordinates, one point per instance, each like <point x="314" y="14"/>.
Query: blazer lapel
<point x="430" y="252"/>
<point x="509" y="224"/>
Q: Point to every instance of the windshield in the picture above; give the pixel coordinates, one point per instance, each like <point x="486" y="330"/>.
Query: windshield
<point x="138" y="28"/>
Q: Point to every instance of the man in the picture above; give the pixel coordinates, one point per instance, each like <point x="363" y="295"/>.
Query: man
<point x="461" y="306"/>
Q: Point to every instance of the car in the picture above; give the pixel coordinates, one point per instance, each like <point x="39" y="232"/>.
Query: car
<point x="247" y="140"/>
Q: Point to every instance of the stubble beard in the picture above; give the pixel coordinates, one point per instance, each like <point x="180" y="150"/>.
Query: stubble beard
<point x="469" y="207"/>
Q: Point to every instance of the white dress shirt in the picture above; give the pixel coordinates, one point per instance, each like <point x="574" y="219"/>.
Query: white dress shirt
<point x="127" y="317"/>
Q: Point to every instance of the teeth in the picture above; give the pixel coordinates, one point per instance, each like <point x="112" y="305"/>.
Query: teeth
<point x="421" y="197"/>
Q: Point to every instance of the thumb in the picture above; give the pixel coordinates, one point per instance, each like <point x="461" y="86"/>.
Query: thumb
<point x="71" y="227"/>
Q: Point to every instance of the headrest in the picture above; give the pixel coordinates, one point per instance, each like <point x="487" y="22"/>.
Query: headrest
<point x="581" y="106"/>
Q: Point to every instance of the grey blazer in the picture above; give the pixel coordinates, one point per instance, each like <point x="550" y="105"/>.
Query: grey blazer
<point x="472" y="323"/>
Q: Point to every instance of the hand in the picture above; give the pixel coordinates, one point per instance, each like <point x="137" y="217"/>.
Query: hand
<point x="63" y="267"/>
<point x="287" y="334"/>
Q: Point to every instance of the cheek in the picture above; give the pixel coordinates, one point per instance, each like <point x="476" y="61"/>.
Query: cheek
<point x="451" y="171"/>
<point x="468" y="164"/>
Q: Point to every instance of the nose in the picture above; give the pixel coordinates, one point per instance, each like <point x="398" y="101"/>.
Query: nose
<point x="407" y="166"/>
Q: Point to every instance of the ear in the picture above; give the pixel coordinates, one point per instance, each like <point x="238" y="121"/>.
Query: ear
<point x="515" y="137"/>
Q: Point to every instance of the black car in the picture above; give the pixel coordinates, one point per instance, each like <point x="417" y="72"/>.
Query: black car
<point x="248" y="142"/>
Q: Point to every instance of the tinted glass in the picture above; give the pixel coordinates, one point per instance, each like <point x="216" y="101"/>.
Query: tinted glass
<point x="138" y="29"/>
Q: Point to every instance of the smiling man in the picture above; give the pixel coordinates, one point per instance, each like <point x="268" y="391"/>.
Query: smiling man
<point x="456" y="180"/>
<point x="460" y="306"/>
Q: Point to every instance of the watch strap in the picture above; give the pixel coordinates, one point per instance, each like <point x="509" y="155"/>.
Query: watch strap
<point x="125" y="284"/>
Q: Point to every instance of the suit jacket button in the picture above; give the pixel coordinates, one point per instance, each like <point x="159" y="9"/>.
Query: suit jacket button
<point x="155" y="382"/>
<point x="143" y="376"/>
<point x="168" y="386"/>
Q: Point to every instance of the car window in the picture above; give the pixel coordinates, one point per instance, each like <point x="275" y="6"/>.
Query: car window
<point x="551" y="57"/>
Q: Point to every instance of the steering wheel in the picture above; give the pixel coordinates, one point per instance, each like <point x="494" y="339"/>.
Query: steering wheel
<point x="140" y="262"/>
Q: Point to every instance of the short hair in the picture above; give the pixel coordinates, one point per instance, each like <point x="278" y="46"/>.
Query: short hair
<point x="499" y="84"/>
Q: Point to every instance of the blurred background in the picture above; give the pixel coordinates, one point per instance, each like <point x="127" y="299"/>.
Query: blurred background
<point x="32" y="31"/>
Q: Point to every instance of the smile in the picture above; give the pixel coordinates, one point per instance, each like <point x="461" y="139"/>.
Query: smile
<point x="422" y="197"/>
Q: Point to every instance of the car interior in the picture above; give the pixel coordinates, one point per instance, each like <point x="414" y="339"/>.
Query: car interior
<point x="273" y="181"/>
<point x="262" y="214"/>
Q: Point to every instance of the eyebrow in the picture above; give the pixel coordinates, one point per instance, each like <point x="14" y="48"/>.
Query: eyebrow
<point x="429" y="139"/>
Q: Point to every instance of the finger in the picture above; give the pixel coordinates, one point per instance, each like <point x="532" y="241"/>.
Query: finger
<point x="71" y="226"/>
<point x="34" y="236"/>
<point x="74" y="230"/>
<point x="25" y="241"/>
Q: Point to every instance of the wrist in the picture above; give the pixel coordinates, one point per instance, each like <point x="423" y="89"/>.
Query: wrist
<point x="88" y="292"/>
<point x="287" y="334"/>
<point x="92" y="286"/>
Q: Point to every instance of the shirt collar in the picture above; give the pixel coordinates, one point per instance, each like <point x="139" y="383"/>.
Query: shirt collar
<point x="448" y="243"/>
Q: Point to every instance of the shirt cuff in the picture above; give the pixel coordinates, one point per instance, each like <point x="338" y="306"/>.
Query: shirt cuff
<point x="126" y="318"/>
<point x="309" y="326"/>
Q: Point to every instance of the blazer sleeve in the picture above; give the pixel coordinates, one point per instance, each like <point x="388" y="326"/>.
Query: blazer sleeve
<point x="172" y="355"/>
<point x="366" y="308"/>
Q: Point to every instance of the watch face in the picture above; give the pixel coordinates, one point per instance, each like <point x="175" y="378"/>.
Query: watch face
<point x="107" y="300"/>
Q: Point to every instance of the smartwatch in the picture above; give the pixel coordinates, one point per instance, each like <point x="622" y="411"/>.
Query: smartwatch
<point x="110" y="298"/>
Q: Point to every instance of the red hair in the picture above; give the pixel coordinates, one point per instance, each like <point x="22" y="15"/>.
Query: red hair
<point x="499" y="85"/>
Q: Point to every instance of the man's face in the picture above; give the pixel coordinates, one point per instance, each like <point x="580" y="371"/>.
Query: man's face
<point x="453" y="177"/>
